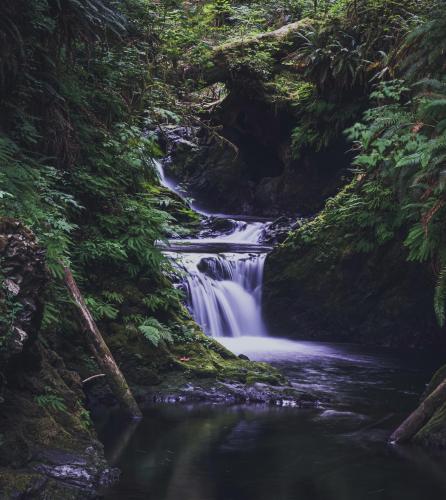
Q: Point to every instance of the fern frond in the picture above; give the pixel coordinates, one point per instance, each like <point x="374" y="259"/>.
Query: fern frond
<point x="440" y="297"/>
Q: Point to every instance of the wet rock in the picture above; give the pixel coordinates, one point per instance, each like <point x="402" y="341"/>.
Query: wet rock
<point x="243" y="162"/>
<point x="243" y="356"/>
<point x="214" y="268"/>
<point x="87" y="471"/>
<point x="24" y="278"/>
<point x="278" y="230"/>
<point x="216" y="226"/>
<point x="176" y="139"/>
<point x="230" y="393"/>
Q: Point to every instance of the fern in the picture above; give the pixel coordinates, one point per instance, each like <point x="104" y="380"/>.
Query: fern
<point x="155" y="332"/>
<point x="101" y="309"/>
<point x="52" y="401"/>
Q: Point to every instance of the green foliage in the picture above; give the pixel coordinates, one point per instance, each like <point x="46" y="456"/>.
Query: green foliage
<point x="332" y="60"/>
<point x="81" y="81"/>
<point x="440" y="297"/>
<point x="342" y="55"/>
<point x="402" y="144"/>
<point x="52" y="401"/>
<point x="154" y="331"/>
<point x="84" y="417"/>
<point x="397" y="195"/>
<point x="322" y="122"/>
<point x="164" y="300"/>
<point x="255" y="62"/>
<point x="101" y="309"/>
<point x="29" y="191"/>
<point x="79" y="84"/>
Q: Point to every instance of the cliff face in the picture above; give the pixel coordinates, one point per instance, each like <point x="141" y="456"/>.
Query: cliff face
<point x="248" y="167"/>
<point x="47" y="443"/>
<point x="23" y="281"/>
<point x="322" y="288"/>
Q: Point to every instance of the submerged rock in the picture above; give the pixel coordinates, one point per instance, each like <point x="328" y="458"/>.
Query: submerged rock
<point x="232" y="393"/>
<point x="85" y="471"/>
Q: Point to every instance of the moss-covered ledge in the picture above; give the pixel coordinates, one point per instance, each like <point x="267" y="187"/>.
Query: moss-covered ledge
<point x="331" y="281"/>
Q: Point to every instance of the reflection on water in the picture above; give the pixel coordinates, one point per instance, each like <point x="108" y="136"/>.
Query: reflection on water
<point x="259" y="453"/>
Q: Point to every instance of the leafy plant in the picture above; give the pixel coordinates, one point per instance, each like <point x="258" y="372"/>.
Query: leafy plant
<point x="154" y="331"/>
<point x="53" y="401"/>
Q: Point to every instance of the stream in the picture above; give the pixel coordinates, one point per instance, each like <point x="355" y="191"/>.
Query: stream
<point x="338" y="451"/>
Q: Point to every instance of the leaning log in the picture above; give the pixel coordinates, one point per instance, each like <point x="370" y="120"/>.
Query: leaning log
<point x="418" y="418"/>
<point x="102" y="353"/>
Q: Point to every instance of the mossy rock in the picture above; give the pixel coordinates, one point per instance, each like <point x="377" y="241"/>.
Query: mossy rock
<point x="319" y="286"/>
<point x="16" y="484"/>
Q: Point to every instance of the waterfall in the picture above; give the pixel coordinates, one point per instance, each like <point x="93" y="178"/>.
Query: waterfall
<point x="222" y="274"/>
<point x="224" y="292"/>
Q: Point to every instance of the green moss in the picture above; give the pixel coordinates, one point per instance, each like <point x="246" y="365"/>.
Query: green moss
<point x="266" y="378"/>
<point x="30" y="420"/>
<point x="433" y="433"/>
<point x="438" y="377"/>
<point x="343" y="276"/>
<point x="209" y="359"/>
<point x="16" y="484"/>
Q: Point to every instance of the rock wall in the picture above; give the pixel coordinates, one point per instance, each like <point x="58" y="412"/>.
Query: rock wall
<point x="322" y="289"/>
<point x="242" y="163"/>
<point x="48" y="446"/>
<point x="23" y="277"/>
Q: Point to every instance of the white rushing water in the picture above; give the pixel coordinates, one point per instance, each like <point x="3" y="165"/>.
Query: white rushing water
<point x="169" y="183"/>
<point x="244" y="233"/>
<point x="224" y="292"/>
<point x="224" y="289"/>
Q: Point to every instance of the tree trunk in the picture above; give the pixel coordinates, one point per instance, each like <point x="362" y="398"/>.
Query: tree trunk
<point x="101" y="351"/>
<point x="282" y="41"/>
<point x="415" y="421"/>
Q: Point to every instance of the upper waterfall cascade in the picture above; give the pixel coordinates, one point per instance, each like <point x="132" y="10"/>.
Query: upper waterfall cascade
<point x="223" y="274"/>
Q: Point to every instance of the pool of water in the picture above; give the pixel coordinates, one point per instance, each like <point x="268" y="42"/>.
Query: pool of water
<point x="337" y="452"/>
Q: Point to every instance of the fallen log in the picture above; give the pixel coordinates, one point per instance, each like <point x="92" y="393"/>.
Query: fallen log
<point x="279" y="43"/>
<point x="102" y="353"/>
<point x="419" y="417"/>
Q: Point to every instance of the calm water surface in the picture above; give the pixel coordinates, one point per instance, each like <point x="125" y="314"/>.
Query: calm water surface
<point x="338" y="452"/>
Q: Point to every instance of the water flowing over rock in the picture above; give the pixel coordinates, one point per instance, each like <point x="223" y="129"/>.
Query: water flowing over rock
<point x="224" y="292"/>
<point x="222" y="272"/>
